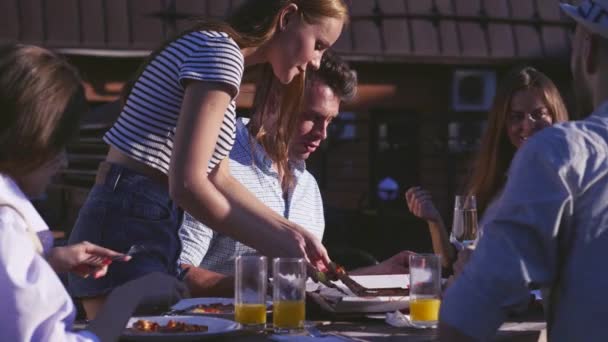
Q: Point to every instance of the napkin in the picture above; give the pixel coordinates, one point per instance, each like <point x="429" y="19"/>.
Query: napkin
<point x="399" y="320"/>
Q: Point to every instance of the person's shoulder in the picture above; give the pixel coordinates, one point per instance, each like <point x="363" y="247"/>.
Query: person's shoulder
<point x="219" y="40"/>
<point x="9" y="216"/>
<point x="12" y="225"/>
<point x="214" y="35"/>
<point x="206" y="41"/>
<point x="584" y="136"/>
<point x="309" y="180"/>
<point x="308" y="176"/>
<point x="557" y="136"/>
<point x="550" y="146"/>
<point x="567" y="143"/>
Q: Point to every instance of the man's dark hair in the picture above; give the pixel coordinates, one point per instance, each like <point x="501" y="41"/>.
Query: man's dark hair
<point x="337" y="74"/>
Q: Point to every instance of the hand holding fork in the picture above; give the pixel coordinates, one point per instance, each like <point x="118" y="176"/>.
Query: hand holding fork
<point x="87" y="259"/>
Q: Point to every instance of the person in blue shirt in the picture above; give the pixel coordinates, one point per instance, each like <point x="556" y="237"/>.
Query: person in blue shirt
<point x="549" y="228"/>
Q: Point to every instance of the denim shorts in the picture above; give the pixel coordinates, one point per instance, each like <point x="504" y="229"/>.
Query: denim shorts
<point x="124" y="209"/>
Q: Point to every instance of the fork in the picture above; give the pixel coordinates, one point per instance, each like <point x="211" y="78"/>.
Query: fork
<point x="135" y="249"/>
<point x="100" y="261"/>
<point x="362" y="291"/>
<point x="322" y="278"/>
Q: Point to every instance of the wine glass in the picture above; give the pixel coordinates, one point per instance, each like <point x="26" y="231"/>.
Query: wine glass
<point x="464" y="226"/>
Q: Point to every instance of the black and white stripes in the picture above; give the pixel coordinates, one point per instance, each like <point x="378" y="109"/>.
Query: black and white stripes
<point x="147" y="123"/>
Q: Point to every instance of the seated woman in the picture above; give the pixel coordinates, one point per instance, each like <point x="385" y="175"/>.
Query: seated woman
<point x="526" y="102"/>
<point x="42" y="100"/>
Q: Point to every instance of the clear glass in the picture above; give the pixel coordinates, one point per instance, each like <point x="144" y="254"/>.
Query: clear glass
<point x="464" y="226"/>
<point x="288" y="294"/>
<point x="251" y="277"/>
<point x="425" y="289"/>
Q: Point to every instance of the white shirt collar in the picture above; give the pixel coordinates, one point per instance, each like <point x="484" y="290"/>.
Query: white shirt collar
<point x="11" y="194"/>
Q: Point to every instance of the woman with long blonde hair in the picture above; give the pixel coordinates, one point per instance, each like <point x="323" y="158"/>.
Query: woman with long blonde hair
<point x="526" y="102"/>
<point x="168" y="148"/>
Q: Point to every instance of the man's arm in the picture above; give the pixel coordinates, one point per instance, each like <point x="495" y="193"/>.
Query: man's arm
<point x="196" y="239"/>
<point x="204" y="283"/>
<point x="519" y="245"/>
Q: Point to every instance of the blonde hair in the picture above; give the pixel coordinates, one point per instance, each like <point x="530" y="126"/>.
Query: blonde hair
<point x="496" y="151"/>
<point x="253" y="24"/>
<point x="333" y="71"/>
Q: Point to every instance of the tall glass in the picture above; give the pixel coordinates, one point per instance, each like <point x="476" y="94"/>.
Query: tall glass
<point x="288" y="294"/>
<point x="425" y="289"/>
<point x="464" y="226"/>
<point x="251" y="274"/>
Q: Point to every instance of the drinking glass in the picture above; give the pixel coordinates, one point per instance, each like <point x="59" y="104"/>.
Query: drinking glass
<point x="288" y="294"/>
<point x="251" y="274"/>
<point x="425" y="289"/>
<point x="464" y="226"/>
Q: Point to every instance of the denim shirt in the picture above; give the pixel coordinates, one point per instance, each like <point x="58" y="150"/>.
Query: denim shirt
<point x="549" y="229"/>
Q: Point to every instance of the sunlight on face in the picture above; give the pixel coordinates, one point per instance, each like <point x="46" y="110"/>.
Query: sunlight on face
<point x="321" y="107"/>
<point x="300" y="44"/>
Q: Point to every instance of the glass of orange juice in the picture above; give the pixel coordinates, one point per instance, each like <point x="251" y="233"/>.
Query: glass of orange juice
<point x="425" y="289"/>
<point x="288" y="294"/>
<point x="251" y="274"/>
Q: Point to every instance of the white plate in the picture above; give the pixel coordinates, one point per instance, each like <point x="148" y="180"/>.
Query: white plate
<point x="376" y="316"/>
<point x="335" y="301"/>
<point x="190" y="302"/>
<point x="216" y="326"/>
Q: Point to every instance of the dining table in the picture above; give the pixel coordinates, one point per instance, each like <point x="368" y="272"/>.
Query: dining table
<point x="322" y="325"/>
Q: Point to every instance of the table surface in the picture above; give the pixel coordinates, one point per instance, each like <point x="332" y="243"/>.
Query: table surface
<point x="377" y="330"/>
<point x="356" y="327"/>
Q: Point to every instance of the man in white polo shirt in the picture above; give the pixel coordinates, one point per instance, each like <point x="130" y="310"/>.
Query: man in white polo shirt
<point x="551" y="228"/>
<point x="209" y="256"/>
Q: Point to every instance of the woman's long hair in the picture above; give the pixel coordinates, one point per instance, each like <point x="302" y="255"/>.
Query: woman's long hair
<point x="251" y="25"/>
<point x="496" y="153"/>
<point x="42" y="101"/>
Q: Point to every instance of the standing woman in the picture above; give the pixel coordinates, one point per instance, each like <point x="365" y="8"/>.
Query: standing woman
<point x="179" y="119"/>
<point x="526" y="102"/>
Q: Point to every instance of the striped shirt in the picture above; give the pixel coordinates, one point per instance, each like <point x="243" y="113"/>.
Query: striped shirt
<point x="250" y="164"/>
<point x="146" y="126"/>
